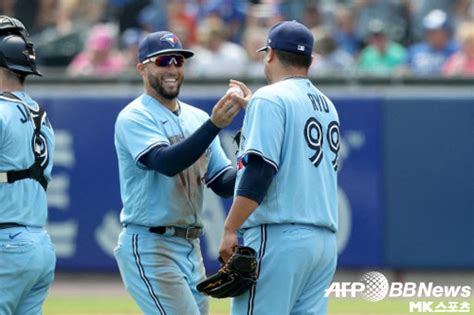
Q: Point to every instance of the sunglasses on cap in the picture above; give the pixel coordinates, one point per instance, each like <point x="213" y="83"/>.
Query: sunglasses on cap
<point x="165" y="61"/>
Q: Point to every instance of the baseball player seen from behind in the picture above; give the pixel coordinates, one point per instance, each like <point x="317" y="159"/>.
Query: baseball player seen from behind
<point x="285" y="201"/>
<point x="167" y="150"/>
<point x="27" y="257"/>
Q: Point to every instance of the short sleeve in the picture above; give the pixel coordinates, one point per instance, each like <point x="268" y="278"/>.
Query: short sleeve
<point x="263" y="130"/>
<point x="138" y="133"/>
<point x="218" y="162"/>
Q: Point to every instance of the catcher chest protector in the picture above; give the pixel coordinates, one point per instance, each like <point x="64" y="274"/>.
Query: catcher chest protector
<point x="35" y="171"/>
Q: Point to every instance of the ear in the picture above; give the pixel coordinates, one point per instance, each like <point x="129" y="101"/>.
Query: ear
<point x="140" y="68"/>
<point x="270" y="55"/>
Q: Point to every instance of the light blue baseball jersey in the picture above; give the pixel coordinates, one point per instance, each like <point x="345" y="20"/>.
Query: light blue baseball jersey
<point x="150" y="198"/>
<point x="24" y="201"/>
<point x="295" y="128"/>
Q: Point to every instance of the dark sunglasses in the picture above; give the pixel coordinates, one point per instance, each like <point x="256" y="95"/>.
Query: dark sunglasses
<point x="165" y="61"/>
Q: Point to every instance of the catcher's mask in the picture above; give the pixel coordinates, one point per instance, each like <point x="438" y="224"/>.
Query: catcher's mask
<point x="17" y="53"/>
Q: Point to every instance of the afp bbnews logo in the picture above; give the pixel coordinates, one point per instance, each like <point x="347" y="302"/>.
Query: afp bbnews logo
<point x="374" y="286"/>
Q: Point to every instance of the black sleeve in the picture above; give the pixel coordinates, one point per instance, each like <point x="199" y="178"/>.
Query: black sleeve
<point x="256" y="179"/>
<point x="224" y="184"/>
<point x="170" y="160"/>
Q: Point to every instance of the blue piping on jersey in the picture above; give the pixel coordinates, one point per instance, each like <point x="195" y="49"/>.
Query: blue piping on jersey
<point x="141" y="270"/>
<point x="148" y="149"/>
<point x="210" y="180"/>
<point x="272" y="163"/>
<point x="189" y="254"/>
<point x="261" y="253"/>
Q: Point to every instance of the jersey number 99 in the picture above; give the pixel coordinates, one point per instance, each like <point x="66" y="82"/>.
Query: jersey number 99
<point x="313" y="133"/>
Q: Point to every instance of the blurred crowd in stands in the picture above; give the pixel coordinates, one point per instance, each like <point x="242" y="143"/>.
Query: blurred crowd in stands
<point x="369" y="37"/>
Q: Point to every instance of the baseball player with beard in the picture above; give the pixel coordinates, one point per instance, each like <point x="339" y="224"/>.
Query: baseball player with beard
<point x="167" y="151"/>
<point x="27" y="258"/>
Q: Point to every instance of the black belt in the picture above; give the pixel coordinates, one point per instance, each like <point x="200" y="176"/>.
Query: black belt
<point x="9" y="225"/>
<point x="187" y="233"/>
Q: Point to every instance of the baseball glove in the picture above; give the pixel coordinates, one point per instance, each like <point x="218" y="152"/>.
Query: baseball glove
<point x="235" y="277"/>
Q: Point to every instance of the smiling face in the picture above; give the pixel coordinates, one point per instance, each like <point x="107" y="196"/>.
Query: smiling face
<point x="164" y="81"/>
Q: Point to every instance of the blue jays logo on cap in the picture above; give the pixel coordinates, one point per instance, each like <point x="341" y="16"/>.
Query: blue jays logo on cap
<point x="161" y="43"/>
<point x="170" y="38"/>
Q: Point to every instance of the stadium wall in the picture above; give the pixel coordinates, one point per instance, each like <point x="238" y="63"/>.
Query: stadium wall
<point x="405" y="190"/>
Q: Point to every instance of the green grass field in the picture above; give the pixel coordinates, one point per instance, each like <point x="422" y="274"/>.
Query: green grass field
<point x="125" y="306"/>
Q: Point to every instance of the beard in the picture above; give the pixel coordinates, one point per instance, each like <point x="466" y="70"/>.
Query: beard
<point x="168" y="94"/>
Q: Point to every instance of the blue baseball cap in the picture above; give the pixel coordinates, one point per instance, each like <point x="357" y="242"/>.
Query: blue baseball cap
<point x="290" y="36"/>
<point x="161" y="43"/>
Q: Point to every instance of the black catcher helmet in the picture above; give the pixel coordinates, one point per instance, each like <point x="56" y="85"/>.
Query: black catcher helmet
<point x="16" y="50"/>
<point x="10" y="25"/>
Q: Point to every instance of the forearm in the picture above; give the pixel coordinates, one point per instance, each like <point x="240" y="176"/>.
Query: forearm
<point x="241" y="209"/>
<point x="170" y="160"/>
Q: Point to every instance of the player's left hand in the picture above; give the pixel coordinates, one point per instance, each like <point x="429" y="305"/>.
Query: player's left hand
<point x="242" y="100"/>
<point x="228" y="244"/>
